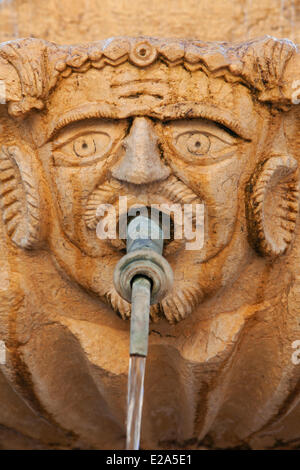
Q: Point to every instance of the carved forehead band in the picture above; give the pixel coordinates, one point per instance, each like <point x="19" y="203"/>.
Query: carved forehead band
<point x="259" y="64"/>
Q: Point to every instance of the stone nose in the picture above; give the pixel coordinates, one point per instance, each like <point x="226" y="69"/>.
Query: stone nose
<point x="141" y="162"/>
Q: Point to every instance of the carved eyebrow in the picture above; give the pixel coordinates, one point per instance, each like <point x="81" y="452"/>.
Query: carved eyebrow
<point x="190" y="110"/>
<point x="183" y="110"/>
<point x="92" y="110"/>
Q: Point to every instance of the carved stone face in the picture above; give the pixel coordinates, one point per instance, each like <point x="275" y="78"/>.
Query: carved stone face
<point x="152" y="153"/>
<point x="157" y="135"/>
<point x="160" y="123"/>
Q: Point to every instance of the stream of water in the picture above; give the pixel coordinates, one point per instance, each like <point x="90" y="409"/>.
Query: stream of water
<point x="135" y="401"/>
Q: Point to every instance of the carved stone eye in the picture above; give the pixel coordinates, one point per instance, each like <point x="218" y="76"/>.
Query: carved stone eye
<point x="201" y="142"/>
<point x="81" y="149"/>
<point x="198" y="143"/>
<point x="84" y="146"/>
<point x="87" y="145"/>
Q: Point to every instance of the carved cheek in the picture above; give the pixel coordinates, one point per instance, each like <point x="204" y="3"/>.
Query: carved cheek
<point x="218" y="185"/>
<point x="67" y="190"/>
<point x="72" y="187"/>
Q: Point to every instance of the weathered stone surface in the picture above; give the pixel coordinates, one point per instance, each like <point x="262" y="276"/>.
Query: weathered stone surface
<point x="223" y="125"/>
<point x="74" y="21"/>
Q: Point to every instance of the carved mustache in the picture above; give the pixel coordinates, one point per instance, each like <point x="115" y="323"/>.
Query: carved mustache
<point x="172" y="189"/>
<point x="175" y="191"/>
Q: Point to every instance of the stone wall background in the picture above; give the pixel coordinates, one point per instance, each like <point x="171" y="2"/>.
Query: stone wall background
<point x="71" y="21"/>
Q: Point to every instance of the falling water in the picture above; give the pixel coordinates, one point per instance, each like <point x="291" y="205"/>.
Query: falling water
<point x="135" y="401"/>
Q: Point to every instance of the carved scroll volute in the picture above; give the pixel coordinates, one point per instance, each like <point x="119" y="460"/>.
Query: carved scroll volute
<point x="21" y="197"/>
<point x="272" y="205"/>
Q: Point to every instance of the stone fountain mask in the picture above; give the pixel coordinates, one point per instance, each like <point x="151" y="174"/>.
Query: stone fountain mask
<point x="160" y="122"/>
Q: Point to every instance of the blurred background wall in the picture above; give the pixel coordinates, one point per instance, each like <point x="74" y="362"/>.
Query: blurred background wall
<point x="70" y="21"/>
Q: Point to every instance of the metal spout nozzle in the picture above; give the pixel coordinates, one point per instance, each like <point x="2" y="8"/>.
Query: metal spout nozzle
<point x="142" y="277"/>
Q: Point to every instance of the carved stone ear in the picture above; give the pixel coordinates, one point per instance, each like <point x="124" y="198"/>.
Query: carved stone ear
<point x="272" y="205"/>
<point x="20" y="197"/>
